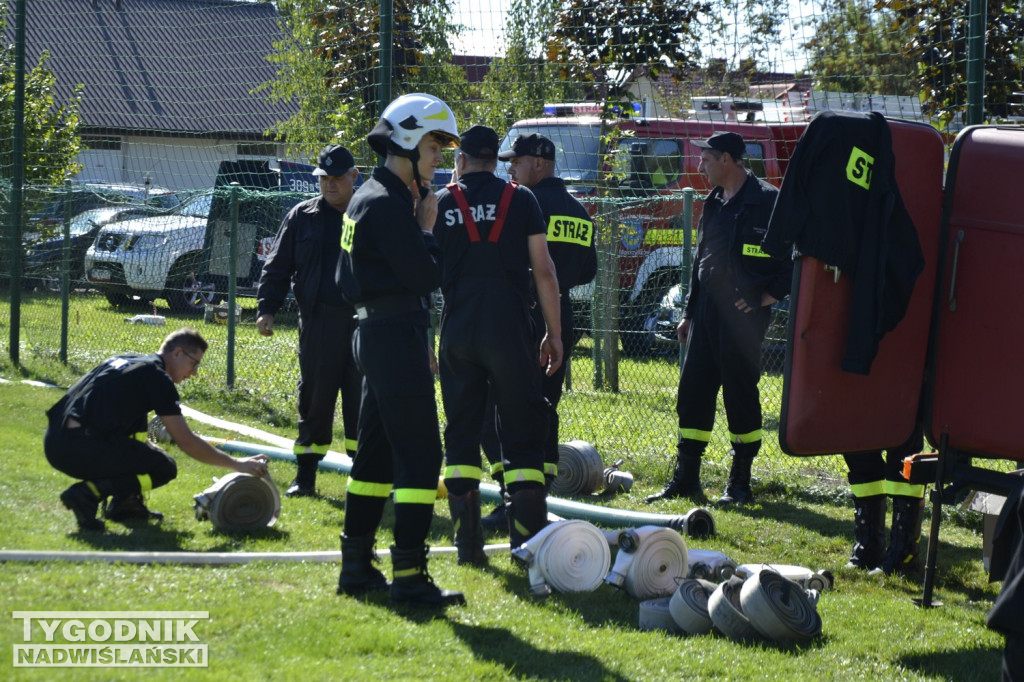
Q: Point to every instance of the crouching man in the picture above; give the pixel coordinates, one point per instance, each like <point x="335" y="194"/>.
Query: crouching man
<point x="92" y="432"/>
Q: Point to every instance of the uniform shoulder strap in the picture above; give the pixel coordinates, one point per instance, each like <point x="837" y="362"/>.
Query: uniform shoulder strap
<point x="503" y="203"/>
<point x="467" y="215"/>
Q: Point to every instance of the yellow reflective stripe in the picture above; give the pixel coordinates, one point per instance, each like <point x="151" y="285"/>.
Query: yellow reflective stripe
<point x="368" y="489"/>
<point x="915" y="490"/>
<point x="463" y="471"/>
<point x="550" y="469"/>
<point x="523" y="476"/>
<point x="145" y="483"/>
<point x="695" y="434"/>
<point x="348" y="233"/>
<point x="415" y="496"/>
<point x="868" y="489"/>
<point x="858" y="168"/>
<point x="497" y="468"/>
<point x="309" y="449"/>
<point x="405" y="572"/>
<point x="94" y="489"/>
<point x="439" y="116"/>
<point x="351" y="444"/>
<point x="754" y="250"/>
<point x="563" y="228"/>
<point x="751" y="437"/>
<point x="139" y="436"/>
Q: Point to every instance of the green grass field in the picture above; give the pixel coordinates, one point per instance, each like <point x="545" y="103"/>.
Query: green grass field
<point x="283" y="620"/>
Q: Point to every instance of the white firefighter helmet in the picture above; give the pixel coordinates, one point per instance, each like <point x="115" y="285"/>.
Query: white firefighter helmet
<point x="408" y="119"/>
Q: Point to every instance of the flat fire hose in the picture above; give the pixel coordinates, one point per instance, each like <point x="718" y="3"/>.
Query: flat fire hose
<point x="805" y="577"/>
<point x="649" y="560"/>
<point x="580" y="469"/>
<point x="565" y="556"/>
<point x="689" y="606"/>
<point x="656" y="614"/>
<point x="239" y="502"/>
<point x="780" y="609"/>
<point x="707" y="564"/>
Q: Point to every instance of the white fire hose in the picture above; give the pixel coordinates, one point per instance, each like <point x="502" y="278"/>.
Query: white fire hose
<point x="580" y="469"/>
<point x="649" y="560"/>
<point x="689" y="606"/>
<point x="239" y="501"/>
<point x="707" y="564"/>
<point x="780" y="609"/>
<point x="566" y="556"/>
<point x="656" y="614"/>
<point x="727" y="613"/>
<point x="805" y="577"/>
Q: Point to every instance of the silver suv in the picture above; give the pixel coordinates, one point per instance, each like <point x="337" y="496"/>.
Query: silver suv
<point x="153" y="257"/>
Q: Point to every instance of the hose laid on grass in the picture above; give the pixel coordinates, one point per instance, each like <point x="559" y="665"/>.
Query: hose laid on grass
<point x="565" y="556"/>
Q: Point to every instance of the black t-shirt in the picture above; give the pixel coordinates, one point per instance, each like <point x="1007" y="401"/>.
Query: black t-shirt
<point x="713" y="268"/>
<point x="570" y="231"/>
<point x="116" y="397"/>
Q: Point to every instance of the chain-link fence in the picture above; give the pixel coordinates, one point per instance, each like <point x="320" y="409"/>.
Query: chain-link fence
<point x="160" y="142"/>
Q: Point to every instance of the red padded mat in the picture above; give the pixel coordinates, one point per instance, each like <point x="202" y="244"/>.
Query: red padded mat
<point x="826" y="410"/>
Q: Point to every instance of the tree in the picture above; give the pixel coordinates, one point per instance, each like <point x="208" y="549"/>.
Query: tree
<point x="51" y="132"/>
<point x="329" y="58"/>
<point x="857" y="48"/>
<point x="938" y="32"/>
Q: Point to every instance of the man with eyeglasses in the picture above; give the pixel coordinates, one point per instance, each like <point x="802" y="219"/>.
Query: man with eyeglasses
<point x="93" y="429"/>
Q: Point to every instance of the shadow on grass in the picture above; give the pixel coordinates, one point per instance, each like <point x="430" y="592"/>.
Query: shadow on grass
<point x="985" y="663"/>
<point x="526" y="661"/>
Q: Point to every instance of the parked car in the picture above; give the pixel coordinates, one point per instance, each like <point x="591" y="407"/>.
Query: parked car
<point x="44" y="259"/>
<point x="154" y="257"/>
<point x="658" y="330"/>
<point x="59" y="203"/>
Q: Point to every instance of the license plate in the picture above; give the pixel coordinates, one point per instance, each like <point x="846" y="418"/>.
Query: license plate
<point x="99" y="274"/>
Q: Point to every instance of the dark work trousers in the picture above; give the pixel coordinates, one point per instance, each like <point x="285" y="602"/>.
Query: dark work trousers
<point x="723" y="351"/>
<point x="871" y="474"/>
<point x="326" y="365"/>
<point x="117" y="459"/>
<point x="551" y="388"/>
<point x="487" y="343"/>
<point x="399" y="434"/>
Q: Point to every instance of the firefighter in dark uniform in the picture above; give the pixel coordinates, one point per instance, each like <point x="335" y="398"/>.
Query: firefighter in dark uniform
<point x="304" y="258"/>
<point x="732" y="288"/>
<point x="492" y="234"/>
<point x="570" y="235"/>
<point x="390" y="263"/>
<point x="873" y="479"/>
<point x="92" y="432"/>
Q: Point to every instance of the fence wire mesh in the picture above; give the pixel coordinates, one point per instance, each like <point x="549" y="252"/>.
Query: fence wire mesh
<point x="140" y="114"/>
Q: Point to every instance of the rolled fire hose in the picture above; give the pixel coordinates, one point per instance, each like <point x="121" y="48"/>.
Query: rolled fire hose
<point x="780" y="609"/>
<point x="707" y="564"/>
<point x="727" y="613"/>
<point x="580" y="469"/>
<point x="689" y="606"/>
<point x="695" y="524"/>
<point x="239" y="502"/>
<point x="805" y="577"/>
<point x="566" y="556"/>
<point x="157" y="432"/>
<point x="656" y="614"/>
<point x="648" y="562"/>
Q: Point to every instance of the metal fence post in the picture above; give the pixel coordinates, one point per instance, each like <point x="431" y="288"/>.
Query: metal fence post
<point x="17" y="179"/>
<point x="232" y="283"/>
<point x="976" y="62"/>
<point x="686" y="262"/>
<point x="65" y="277"/>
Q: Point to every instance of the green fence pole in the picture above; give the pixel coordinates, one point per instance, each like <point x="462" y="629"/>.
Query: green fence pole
<point x="387" y="41"/>
<point x="232" y="273"/>
<point x="17" y="178"/>
<point x="686" y="262"/>
<point x="976" y="62"/>
<point x="65" y="277"/>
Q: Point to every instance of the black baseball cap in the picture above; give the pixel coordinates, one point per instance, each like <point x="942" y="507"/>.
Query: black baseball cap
<point x="480" y="142"/>
<point x="334" y="160"/>
<point x="533" y="144"/>
<point x="724" y="142"/>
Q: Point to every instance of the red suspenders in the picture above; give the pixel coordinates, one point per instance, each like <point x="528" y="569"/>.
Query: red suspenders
<point x="467" y="215"/>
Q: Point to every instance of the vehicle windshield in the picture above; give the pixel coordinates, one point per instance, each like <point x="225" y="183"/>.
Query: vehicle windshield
<point x="576" y="149"/>
<point x="197" y="207"/>
<point x="85" y="221"/>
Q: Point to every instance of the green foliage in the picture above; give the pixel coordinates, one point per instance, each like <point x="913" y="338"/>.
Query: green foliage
<point x="856" y="47"/>
<point x="938" y="31"/>
<point x="51" y="128"/>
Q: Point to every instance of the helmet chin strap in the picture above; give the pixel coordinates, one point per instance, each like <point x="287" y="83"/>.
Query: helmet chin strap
<point x="414" y="156"/>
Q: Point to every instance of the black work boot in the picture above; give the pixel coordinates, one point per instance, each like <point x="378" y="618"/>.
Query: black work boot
<point x="84" y="503"/>
<point x="737" y="488"/>
<point x="497" y="520"/>
<point x="123" y="508"/>
<point x="904" y="537"/>
<point x="868" y="532"/>
<point x="358" y="574"/>
<point x="413" y="586"/>
<point x="685" y="481"/>
<point x="304" y="484"/>
<point x="469" y="533"/>
<point x="527" y="515"/>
